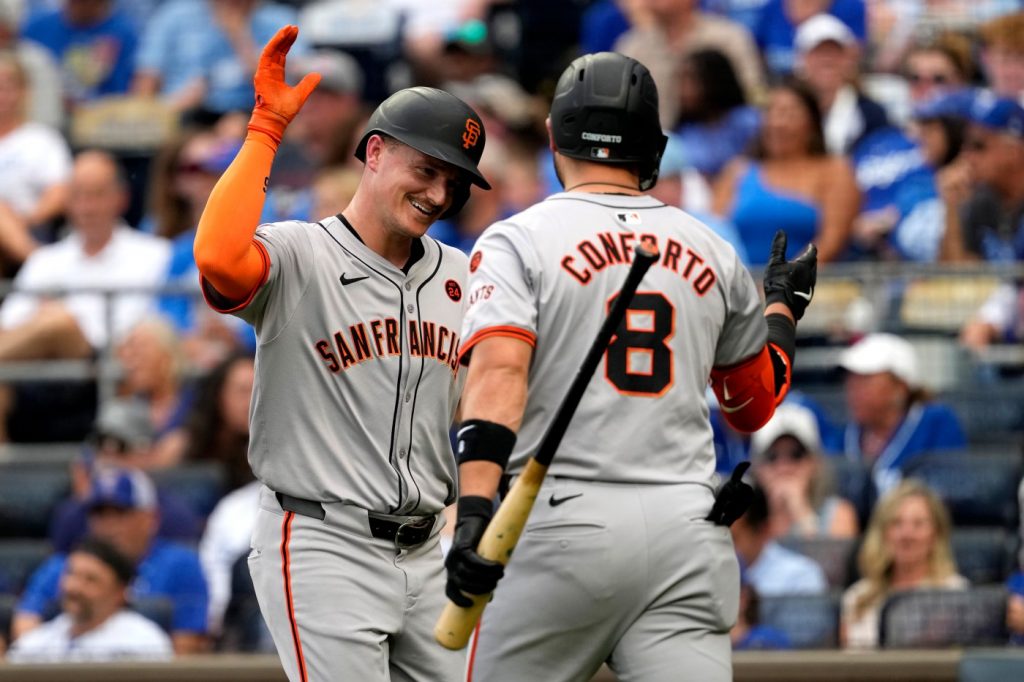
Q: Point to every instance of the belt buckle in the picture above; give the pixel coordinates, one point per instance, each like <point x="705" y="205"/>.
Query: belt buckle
<point x="410" y="528"/>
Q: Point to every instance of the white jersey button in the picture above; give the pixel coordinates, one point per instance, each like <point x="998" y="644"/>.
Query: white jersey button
<point x="410" y="308"/>
<point x="408" y="286"/>
<point x="401" y="453"/>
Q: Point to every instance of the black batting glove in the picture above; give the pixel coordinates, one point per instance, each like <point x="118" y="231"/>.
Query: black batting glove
<point x="733" y="498"/>
<point x="468" y="572"/>
<point x="790" y="282"/>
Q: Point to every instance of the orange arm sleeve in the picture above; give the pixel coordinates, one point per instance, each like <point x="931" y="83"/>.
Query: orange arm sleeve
<point x="749" y="391"/>
<point x="227" y="255"/>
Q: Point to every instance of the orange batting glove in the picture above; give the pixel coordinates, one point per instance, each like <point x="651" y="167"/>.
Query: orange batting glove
<point x="277" y="103"/>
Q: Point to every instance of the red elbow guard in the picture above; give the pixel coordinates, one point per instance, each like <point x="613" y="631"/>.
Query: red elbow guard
<point x="746" y="392"/>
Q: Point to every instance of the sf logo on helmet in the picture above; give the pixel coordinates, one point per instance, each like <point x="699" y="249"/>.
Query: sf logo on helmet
<point x="472" y="134"/>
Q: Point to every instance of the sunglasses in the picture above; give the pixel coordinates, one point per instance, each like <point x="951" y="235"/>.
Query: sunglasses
<point x="928" y="78"/>
<point x="792" y="453"/>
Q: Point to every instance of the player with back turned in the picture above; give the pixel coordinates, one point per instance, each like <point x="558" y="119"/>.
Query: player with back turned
<point x="358" y="319"/>
<point x="626" y="557"/>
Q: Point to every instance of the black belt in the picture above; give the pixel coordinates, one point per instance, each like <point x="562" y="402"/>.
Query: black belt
<point x="405" y="531"/>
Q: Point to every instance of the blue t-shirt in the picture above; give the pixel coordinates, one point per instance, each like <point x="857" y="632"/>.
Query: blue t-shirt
<point x="761" y="638"/>
<point x="892" y="175"/>
<point x="747" y="13"/>
<point x="927" y="427"/>
<point x="95" y="60"/>
<point x="169" y="570"/>
<point x="775" y="32"/>
<point x="709" y="146"/>
<point x="183" y="43"/>
<point x="603" y="22"/>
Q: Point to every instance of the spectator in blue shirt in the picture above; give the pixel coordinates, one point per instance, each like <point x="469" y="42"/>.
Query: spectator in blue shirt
<point x="715" y="122"/>
<point x="777" y="24"/>
<point x="123" y="437"/>
<point x="122" y="511"/>
<point x="94" y="44"/>
<point x="769" y="567"/>
<point x="984" y="195"/>
<point x="891" y="421"/>
<point x="203" y="53"/>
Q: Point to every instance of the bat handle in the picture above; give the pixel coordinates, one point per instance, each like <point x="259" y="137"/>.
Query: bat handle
<point x="456" y="624"/>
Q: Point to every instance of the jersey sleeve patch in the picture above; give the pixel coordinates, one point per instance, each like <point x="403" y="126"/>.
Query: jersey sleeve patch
<point x="501" y="330"/>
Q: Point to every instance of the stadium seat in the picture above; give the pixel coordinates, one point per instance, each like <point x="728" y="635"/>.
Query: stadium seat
<point x="853" y="482"/>
<point x="160" y="610"/>
<point x="834" y="555"/>
<point x="199" y="484"/>
<point x="18" y="559"/>
<point x="993" y="414"/>
<point x="944" y="304"/>
<point x="939" y="618"/>
<point x="809" y="621"/>
<point x="28" y="495"/>
<point x="984" y="555"/>
<point x="980" y="490"/>
<point x="991" y="666"/>
<point x="832" y="298"/>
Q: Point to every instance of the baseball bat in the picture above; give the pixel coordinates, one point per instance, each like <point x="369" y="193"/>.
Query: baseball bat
<point x="456" y="623"/>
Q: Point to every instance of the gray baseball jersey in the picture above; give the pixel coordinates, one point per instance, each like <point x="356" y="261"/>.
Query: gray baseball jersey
<point x="356" y="359"/>
<point x="548" y="276"/>
<point x="616" y="563"/>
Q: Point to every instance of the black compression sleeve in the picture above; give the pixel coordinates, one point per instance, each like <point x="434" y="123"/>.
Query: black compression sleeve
<point x="781" y="339"/>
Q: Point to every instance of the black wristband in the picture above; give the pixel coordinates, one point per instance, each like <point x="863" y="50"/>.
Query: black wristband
<point x="478" y="439"/>
<point x="782" y="333"/>
<point x="475" y="505"/>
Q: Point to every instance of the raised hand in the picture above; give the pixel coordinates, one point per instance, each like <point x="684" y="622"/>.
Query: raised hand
<point x="790" y="282"/>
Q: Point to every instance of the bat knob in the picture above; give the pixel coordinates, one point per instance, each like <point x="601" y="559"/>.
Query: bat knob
<point x="647" y="249"/>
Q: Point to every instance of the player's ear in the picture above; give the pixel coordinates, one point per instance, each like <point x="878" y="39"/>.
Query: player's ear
<point x="551" y="136"/>
<point x="374" y="150"/>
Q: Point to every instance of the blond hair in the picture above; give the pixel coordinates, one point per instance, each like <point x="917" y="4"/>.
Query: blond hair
<point x="875" y="560"/>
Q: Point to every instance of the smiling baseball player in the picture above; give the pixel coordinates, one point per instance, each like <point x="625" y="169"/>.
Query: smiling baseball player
<point x="626" y="557"/>
<point x="358" y="320"/>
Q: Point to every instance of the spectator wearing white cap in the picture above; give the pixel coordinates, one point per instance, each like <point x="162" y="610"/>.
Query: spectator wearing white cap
<point x="788" y="465"/>
<point x="827" y="57"/>
<point x="891" y="418"/>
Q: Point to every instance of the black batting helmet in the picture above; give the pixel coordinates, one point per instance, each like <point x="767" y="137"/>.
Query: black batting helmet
<point x="438" y="124"/>
<point x="606" y="110"/>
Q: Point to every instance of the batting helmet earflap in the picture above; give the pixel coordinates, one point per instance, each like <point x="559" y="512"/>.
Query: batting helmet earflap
<point x="605" y="110"/>
<point x="438" y="124"/>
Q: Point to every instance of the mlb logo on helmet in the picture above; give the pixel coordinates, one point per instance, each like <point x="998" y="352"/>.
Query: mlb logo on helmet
<point x="600" y="152"/>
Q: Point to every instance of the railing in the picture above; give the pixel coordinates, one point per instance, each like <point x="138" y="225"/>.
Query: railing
<point x="928" y="303"/>
<point x="748" y="666"/>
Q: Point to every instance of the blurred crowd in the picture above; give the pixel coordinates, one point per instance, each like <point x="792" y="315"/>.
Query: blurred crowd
<point x="882" y="131"/>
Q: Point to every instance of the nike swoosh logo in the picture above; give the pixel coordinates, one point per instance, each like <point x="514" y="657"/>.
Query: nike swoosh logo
<point x="351" y="280"/>
<point x="725" y="389"/>
<point x="806" y="296"/>
<point x="730" y="410"/>
<point x="555" y="501"/>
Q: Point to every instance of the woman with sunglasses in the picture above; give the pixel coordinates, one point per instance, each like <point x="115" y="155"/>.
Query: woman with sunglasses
<point x="789" y="468"/>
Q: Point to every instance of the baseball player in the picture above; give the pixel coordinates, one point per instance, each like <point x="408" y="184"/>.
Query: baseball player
<point x="358" y="319"/>
<point x="627" y="557"/>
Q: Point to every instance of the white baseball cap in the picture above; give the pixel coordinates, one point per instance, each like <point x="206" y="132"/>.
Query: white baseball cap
<point x="819" y="29"/>
<point x="882" y="353"/>
<point x="789" y="419"/>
